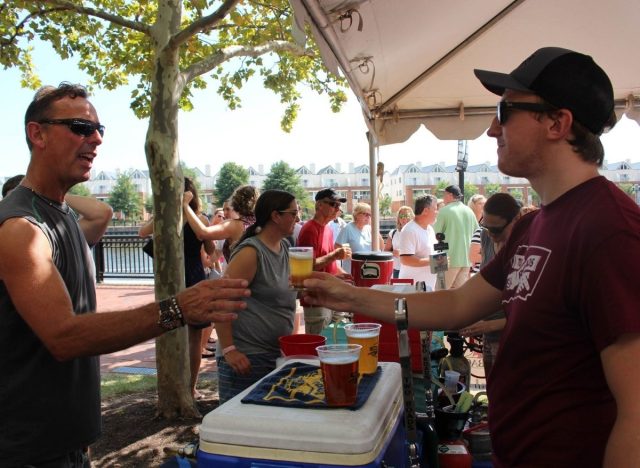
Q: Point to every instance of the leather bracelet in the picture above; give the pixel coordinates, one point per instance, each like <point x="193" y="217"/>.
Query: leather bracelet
<point x="170" y="315"/>
<point x="228" y="349"/>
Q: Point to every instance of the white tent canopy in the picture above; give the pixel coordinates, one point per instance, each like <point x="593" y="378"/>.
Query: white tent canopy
<point x="410" y="62"/>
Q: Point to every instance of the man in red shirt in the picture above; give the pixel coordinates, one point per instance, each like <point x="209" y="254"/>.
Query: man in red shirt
<point x="565" y="383"/>
<point x="317" y="234"/>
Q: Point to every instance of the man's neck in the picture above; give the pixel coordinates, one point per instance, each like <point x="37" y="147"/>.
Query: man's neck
<point x="422" y="221"/>
<point x="318" y="218"/>
<point x="553" y="183"/>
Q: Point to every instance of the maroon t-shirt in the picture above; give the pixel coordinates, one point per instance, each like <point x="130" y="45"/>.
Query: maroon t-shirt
<point x="569" y="276"/>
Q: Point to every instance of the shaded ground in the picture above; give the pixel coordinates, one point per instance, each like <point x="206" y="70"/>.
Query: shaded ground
<point x="133" y="437"/>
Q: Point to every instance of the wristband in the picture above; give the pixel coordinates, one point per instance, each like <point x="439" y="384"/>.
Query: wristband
<point x="228" y="349"/>
<point x="170" y="315"/>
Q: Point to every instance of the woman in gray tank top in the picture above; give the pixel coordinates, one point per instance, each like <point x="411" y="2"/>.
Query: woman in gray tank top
<point x="248" y="348"/>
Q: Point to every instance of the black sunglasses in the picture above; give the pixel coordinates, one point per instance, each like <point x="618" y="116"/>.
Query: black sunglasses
<point x="504" y="107"/>
<point x="495" y="230"/>
<point x="81" y="127"/>
<point x="335" y="204"/>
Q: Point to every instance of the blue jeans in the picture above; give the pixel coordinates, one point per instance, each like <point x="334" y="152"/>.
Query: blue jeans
<point x="231" y="383"/>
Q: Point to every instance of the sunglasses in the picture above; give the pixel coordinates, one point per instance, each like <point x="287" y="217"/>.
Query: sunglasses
<point x="335" y="204"/>
<point x="367" y="215"/>
<point x="291" y="212"/>
<point x="404" y="216"/>
<point x="495" y="230"/>
<point x="505" y="107"/>
<point x="81" y="127"/>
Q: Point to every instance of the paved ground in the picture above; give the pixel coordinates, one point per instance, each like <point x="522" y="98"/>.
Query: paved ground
<point x="139" y="359"/>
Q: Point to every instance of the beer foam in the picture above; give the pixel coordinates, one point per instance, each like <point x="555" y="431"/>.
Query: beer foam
<point x="355" y="333"/>
<point x="302" y="255"/>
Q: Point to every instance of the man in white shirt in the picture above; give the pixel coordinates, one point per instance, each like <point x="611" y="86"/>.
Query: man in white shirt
<point x="416" y="242"/>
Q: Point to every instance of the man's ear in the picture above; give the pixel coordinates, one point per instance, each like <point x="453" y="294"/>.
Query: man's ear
<point x="35" y="134"/>
<point x="561" y="123"/>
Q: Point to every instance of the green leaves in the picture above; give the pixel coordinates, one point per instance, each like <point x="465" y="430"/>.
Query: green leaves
<point x="114" y="41"/>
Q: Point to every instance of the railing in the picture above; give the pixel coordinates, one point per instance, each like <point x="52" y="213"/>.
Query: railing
<point x="121" y="256"/>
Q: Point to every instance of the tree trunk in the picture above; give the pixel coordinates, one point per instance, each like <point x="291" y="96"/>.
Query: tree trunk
<point x="161" y="147"/>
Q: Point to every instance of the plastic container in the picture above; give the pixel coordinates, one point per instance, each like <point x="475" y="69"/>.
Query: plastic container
<point x="302" y="344"/>
<point x="246" y="435"/>
<point x="388" y="341"/>
<point x="449" y="425"/>
<point x="369" y="268"/>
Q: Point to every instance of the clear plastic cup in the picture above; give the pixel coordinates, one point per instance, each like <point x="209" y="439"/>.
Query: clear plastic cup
<point x="339" y="364"/>
<point x="366" y="335"/>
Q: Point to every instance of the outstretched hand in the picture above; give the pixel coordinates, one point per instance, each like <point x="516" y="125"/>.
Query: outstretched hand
<point x="213" y="300"/>
<point x="186" y="198"/>
<point x="325" y="290"/>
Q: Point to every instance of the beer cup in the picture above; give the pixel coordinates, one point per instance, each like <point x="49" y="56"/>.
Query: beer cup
<point x="339" y="364"/>
<point x="366" y="335"/>
<point x="300" y="264"/>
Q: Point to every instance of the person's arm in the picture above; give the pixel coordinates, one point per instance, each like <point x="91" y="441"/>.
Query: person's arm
<point x="475" y="256"/>
<point x="415" y="261"/>
<point x="451" y="309"/>
<point x="208" y="244"/>
<point x="41" y="298"/>
<point x="94" y="216"/>
<point x="228" y="229"/>
<point x="340" y="253"/>
<point x="243" y="265"/>
<point x="620" y="364"/>
<point x="146" y="229"/>
<point x="484" y="326"/>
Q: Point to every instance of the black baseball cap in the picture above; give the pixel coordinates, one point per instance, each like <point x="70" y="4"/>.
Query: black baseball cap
<point x="454" y="190"/>
<point x="563" y="78"/>
<point x="330" y="194"/>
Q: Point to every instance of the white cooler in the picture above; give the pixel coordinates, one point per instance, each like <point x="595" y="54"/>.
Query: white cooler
<point x="248" y="435"/>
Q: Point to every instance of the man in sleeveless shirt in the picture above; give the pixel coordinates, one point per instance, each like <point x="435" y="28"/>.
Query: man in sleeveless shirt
<point x="50" y="337"/>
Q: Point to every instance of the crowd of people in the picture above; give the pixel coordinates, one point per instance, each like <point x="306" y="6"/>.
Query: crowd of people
<point x="552" y="290"/>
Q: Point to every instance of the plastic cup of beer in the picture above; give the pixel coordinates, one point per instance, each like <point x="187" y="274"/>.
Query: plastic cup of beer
<point x="300" y="264"/>
<point x="339" y="364"/>
<point x="366" y="335"/>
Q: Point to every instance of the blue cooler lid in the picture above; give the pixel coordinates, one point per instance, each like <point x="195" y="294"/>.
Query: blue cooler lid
<point x="372" y="256"/>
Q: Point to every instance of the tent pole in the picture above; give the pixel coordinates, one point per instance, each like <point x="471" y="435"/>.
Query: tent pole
<point x="373" y="186"/>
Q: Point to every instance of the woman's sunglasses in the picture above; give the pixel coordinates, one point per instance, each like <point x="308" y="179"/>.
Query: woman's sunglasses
<point x="81" y="127"/>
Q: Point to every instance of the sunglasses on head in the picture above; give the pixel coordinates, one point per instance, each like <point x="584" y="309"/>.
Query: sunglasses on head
<point x="81" y="127"/>
<point x="505" y="107"/>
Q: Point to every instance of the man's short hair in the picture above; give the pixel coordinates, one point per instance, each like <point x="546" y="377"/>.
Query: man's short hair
<point x="45" y="97"/>
<point x="502" y="205"/>
<point x="11" y="183"/>
<point x="423" y="202"/>
<point x="454" y="190"/>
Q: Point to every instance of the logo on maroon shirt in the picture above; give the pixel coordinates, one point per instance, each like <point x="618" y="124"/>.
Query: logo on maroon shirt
<point x="527" y="266"/>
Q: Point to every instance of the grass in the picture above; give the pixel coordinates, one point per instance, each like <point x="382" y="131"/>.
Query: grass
<point x="113" y="385"/>
<point x="124" y="384"/>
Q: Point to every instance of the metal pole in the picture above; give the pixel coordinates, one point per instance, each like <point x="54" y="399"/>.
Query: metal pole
<point x="373" y="186"/>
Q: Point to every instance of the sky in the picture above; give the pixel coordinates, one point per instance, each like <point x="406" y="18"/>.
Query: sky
<point x="212" y="134"/>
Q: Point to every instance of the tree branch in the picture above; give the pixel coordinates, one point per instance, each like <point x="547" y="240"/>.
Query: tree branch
<point x="203" y="24"/>
<point x="115" y="19"/>
<point x="212" y="61"/>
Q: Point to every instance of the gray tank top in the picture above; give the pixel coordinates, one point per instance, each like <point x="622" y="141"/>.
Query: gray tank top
<point x="47" y="408"/>
<point x="271" y="307"/>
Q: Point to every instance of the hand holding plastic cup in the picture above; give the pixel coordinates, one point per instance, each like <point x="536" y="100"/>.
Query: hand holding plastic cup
<point x="300" y="264"/>
<point x="339" y="364"/>
<point x="347" y="250"/>
<point x="366" y="335"/>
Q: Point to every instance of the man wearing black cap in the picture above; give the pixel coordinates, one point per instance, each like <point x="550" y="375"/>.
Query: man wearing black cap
<point x="458" y="223"/>
<point x="565" y="384"/>
<point x="317" y="234"/>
